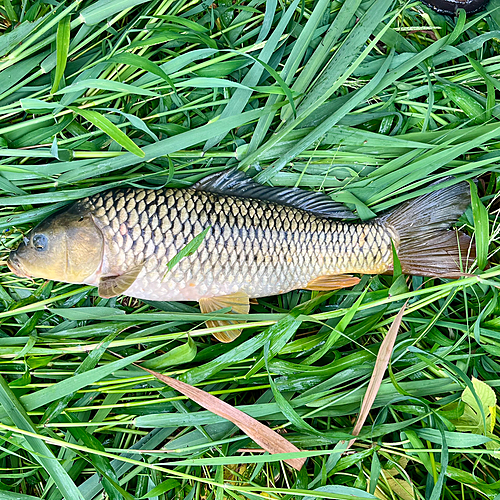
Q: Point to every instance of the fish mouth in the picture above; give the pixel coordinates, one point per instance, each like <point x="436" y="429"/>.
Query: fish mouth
<point x="15" y="266"/>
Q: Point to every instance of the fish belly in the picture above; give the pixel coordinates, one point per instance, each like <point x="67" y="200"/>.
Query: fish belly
<point x="251" y="246"/>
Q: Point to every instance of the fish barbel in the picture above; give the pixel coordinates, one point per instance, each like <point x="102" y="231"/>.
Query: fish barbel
<point x="260" y="241"/>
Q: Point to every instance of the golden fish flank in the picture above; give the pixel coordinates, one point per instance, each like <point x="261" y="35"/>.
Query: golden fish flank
<point x="262" y="241"/>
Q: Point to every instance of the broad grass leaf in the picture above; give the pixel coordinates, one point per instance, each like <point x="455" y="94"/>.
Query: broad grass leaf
<point x="11" y="495"/>
<point x="343" y="492"/>
<point x="337" y="331"/>
<point x="183" y="22"/>
<point x="364" y="212"/>
<point x="398" y="286"/>
<point x="62" y="47"/>
<point x="454" y="439"/>
<point x="178" y="63"/>
<point x="30" y="104"/>
<point x="42" y="134"/>
<point x="418" y="170"/>
<point x="466" y="103"/>
<point x="161" y="488"/>
<point x="101" y="463"/>
<point x="283" y="87"/>
<point x="175" y="356"/>
<point x="135" y="122"/>
<point x="284" y="405"/>
<point x="360" y="96"/>
<point x="23" y="381"/>
<point x="344" y="61"/>
<point x="138" y="61"/>
<point x="101" y="84"/>
<point x="110" y="129"/>
<point x="93" y="485"/>
<point x="102" y="9"/>
<point x="375" y="471"/>
<point x="11" y="13"/>
<point x="283" y="330"/>
<point x="481" y="227"/>
<point x="280" y="333"/>
<point x="90" y="362"/>
<point x="187" y="250"/>
<point x="91" y="73"/>
<point x="223" y="68"/>
<point x="203" y="417"/>
<point x="210" y="83"/>
<point x="10" y="40"/>
<point x="85" y="313"/>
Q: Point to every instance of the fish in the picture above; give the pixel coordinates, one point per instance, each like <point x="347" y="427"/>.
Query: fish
<point x="259" y="241"/>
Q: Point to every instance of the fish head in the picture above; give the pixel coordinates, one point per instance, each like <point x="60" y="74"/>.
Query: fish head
<point x="67" y="246"/>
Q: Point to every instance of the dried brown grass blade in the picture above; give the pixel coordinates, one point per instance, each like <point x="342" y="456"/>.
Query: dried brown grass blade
<point x="270" y="440"/>
<point x="383" y="357"/>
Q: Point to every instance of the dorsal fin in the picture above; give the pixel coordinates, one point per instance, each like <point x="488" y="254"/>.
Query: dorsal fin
<point x="236" y="183"/>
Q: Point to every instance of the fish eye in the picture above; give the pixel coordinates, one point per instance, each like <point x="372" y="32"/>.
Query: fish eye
<point x="40" y="242"/>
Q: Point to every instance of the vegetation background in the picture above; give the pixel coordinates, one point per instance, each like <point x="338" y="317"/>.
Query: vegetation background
<point x="366" y="100"/>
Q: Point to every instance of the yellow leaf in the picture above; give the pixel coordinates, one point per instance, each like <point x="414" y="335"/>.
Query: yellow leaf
<point x="472" y="419"/>
<point x="493" y="412"/>
<point x="401" y="488"/>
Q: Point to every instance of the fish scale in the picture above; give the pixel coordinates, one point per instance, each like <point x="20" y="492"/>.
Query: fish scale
<point x="257" y="247"/>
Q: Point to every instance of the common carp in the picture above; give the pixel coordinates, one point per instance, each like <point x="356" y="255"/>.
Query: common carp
<point x="260" y="241"/>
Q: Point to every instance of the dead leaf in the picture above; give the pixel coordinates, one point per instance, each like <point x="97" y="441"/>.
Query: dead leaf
<point x="383" y="357"/>
<point x="401" y="487"/>
<point x="264" y="436"/>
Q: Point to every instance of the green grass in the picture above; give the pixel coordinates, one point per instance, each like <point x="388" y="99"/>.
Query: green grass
<point x="368" y="101"/>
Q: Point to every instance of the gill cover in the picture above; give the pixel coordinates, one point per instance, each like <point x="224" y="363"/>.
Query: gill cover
<point x="67" y="246"/>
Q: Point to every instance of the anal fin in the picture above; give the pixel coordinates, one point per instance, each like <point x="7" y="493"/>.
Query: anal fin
<point x="332" y="282"/>
<point x="239" y="303"/>
<point x="111" y="286"/>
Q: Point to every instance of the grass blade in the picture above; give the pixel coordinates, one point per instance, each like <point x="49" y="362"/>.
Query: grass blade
<point x="188" y="249"/>
<point x="39" y="450"/>
<point x="481" y="227"/>
<point x="68" y="386"/>
<point x="106" y="85"/>
<point x="110" y="129"/>
<point x="319" y="56"/>
<point x="62" y="47"/>
<point x="240" y="97"/>
<point x="166" y="146"/>
<point x="101" y="10"/>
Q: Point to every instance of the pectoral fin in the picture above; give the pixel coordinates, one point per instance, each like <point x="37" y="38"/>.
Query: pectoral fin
<point x="111" y="286"/>
<point x="239" y="303"/>
<point x="332" y="282"/>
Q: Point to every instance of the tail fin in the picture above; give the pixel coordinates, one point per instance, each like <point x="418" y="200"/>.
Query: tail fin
<point x="426" y="245"/>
